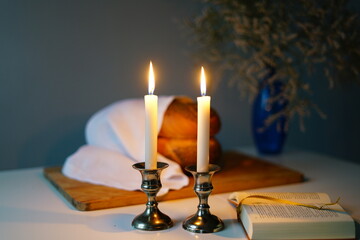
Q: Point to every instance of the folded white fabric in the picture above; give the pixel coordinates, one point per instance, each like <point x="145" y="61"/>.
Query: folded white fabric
<point x="115" y="139"/>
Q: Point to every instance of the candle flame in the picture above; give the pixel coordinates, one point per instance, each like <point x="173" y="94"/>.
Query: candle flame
<point x="202" y="82"/>
<point x="151" y="79"/>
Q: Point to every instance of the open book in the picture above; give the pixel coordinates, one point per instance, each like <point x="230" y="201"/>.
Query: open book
<point x="271" y="219"/>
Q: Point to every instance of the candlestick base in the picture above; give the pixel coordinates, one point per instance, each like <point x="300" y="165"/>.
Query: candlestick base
<point x="203" y="221"/>
<point x="152" y="218"/>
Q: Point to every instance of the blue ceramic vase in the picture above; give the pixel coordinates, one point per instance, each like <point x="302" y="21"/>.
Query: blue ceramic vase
<point x="270" y="139"/>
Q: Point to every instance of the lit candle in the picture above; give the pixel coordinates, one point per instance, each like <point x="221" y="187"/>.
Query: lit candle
<point x="203" y="127"/>
<point x="151" y="109"/>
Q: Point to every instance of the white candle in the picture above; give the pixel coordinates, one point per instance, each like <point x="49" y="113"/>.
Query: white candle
<point x="151" y="109"/>
<point x="203" y="127"/>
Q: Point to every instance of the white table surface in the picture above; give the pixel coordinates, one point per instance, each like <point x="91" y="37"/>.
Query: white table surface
<point x="31" y="208"/>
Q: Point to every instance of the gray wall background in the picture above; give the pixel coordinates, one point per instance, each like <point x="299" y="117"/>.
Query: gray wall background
<point x="61" y="61"/>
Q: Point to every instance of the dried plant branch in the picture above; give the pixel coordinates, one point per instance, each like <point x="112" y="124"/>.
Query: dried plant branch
<point x="243" y="38"/>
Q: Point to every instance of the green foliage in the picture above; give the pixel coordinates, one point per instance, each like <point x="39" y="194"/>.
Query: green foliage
<point x="244" y="37"/>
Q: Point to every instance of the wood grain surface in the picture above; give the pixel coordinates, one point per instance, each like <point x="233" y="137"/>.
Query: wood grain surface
<point x="239" y="172"/>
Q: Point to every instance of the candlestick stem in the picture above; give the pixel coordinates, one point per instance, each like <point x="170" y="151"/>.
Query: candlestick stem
<point x="203" y="221"/>
<point x="152" y="218"/>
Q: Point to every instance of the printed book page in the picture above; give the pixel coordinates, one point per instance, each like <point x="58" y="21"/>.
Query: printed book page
<point x="289" y="213"/>
<point x="268" y="210"/>
<point x="268" y="219"/>
<point x="306" y="198"/>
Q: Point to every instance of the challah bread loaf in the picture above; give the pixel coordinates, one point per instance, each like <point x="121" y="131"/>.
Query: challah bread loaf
<point x="180" y="120"/>
<point x="183" y="151"/>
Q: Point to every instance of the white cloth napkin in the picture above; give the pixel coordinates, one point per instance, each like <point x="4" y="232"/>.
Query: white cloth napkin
<point x="115" y="141"/>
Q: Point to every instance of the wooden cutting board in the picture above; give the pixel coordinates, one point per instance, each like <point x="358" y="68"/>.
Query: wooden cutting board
<point x="239" y="172"/>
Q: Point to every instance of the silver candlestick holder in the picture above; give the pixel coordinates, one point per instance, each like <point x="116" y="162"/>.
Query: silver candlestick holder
<point x="152" y="218"/>
<point x="203" y="221"/>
